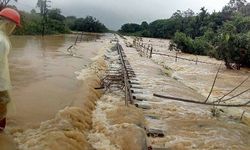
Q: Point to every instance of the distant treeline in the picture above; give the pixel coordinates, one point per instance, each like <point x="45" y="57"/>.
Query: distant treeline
<point x="56" y="23"/>
<point x="224" y="35"/>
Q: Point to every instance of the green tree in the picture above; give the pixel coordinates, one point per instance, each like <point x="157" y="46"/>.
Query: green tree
<point x="31" y="24"/>
<point x="224" y="35"/>
<point x="89" y="24"/>
<point x="183" y="42"/>
<point x="70" y="22"/>
<point x="130" y="28"/>
<point x="144" y="25"/>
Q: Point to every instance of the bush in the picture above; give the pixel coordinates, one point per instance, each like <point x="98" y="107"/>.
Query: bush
<point x="183" y="42"/>
<point x="201" y="46"/>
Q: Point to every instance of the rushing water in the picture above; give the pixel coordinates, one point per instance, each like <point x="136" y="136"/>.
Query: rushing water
<point x="44" y="82"/>
<point x="43" y="76"/>
<point x="190" y="126"/>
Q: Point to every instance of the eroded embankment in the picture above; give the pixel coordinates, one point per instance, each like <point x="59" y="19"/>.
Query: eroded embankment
<point x="116" y="126"/>
<point x="68" y="130"/>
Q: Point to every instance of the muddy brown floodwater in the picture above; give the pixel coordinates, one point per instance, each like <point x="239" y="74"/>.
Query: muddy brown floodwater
<point x="43" y="76"/>
<point x="186" y="125"/>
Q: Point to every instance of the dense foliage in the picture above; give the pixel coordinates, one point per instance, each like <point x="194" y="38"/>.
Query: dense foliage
<point x="223" y="35"/>
<point x="56" y="23"/>
<point x="32" y="23"/>
<point x="88" y="24"/>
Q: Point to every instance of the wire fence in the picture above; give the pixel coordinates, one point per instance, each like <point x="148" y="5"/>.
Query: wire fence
<point x="148" y="51"/>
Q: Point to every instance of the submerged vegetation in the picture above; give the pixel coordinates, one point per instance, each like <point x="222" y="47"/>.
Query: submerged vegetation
<point x="224" y="35"/>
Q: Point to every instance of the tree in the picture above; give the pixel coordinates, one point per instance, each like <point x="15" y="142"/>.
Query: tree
<point x="55" y="13"/>
<point x="144" y="25"/>
<point x="245" y="10"/>
<point x="56" y="22"/>
<point x="31" y="24"/>
<point x="183" y="42"/>
<point x="236" y="5"/>
<point x="224" y="35"/>
<point x="177" y="15"/>
<point x="201" y="21"/>
<point x="227" y="50"/>
<point x="89" y="24"/>
<point x="70" y="22"/>
<point x="43" y="6"/>
<point x="130" y="28"/>
<point x="4" y="3"/>
<point x="188" y="13"/>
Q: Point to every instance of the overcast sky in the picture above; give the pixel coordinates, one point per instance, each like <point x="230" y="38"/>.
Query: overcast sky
<point x="114" y="13"/>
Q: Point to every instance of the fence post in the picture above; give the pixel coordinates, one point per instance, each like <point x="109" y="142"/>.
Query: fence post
<point x="147" y="50"/>
<point x="176" y="57"/>
<point x="143" y="49"/>
<point x="196" y="60"/>
<point x="151" y="52"/>
<point x="81" y="37"/>
<point x="76" y="39"/>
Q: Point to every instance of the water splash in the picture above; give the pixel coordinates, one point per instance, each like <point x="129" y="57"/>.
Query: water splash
<point x="68" y="129"/>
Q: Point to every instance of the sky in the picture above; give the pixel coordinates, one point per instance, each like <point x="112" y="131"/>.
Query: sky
<point x="114" y="13"/>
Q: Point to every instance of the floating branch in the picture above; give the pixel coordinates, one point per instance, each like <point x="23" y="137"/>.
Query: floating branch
<point x="236" y="95"/>
<point x="219" y="100"/>
<point x="242" y="115"/>
<point x="215" y="78"/>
